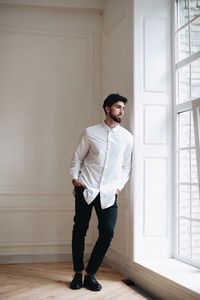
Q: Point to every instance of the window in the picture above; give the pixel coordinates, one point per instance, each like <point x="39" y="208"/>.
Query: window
<point x="187" y="114"/>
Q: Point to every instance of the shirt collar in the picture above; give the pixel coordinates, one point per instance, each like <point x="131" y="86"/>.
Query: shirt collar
<point x="114" y="129"/>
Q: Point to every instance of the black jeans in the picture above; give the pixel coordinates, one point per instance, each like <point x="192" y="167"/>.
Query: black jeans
<point x="106" y="223"/>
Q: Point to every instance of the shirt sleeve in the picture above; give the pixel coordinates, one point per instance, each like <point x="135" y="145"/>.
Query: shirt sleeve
<point x="79" y="155"/>
<point x="127" y="163"/>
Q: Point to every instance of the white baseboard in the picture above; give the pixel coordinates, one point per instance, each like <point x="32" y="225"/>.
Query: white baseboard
<point x="39" y="258"/>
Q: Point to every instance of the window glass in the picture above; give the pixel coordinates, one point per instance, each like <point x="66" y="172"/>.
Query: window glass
<point x="195" y="35"/>
<point x="184" y="129"/>
<point x="194" y="175"/>
<point x="183" y="84"/>
<point x="195" y="240"/>
<point x="183" y="43"/>
<point x="184" y="200"/>
<point x="194" y="8"/>
<point x="195" y="79"/>
<point x="184" y="238"/>
<point x="195" y="203"/>
<point x="187" y="53"/>
<point x="183" y="12"/>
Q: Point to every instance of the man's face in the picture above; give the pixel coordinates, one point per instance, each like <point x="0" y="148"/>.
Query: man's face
<point x="116" y="111"/>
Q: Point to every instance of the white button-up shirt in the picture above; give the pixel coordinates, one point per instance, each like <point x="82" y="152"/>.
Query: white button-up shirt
<point x="102" y="161"/>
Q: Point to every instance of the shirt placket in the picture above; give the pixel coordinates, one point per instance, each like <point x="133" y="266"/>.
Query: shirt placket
<point x="106" y="160"/>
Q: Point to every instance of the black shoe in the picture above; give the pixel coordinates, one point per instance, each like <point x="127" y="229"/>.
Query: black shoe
<point x="91" y="283"/>
<point x="77" y="282"/>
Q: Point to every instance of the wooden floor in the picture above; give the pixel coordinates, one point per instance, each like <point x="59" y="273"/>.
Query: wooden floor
<point x="51" y="281"/>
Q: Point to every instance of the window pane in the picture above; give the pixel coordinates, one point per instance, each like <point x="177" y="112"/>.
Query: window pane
<point x="184" y="84"/>
<point x="184" y="239"/>
<point x="195" y="78"/>
<point x="196" y="240"/>
<point x="184" y="127"/>
<point x="195" y="202"/>
<point x="194" y="176"/>
<point x="183" y="12"/>
<point x="187" y="57"/>
<point x="183" y="43"/>
<point x="184" y="200"/>
<point x="184" y="168"/>
<point x="195" y="35"/>
<point x="194" y="8"/>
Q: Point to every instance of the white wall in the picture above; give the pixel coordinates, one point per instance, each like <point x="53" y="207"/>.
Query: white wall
<point x="118" y="52"/>
<point x="50" y="89"/>
<point x="118" y="77"/>
<point x="51" y="63"/>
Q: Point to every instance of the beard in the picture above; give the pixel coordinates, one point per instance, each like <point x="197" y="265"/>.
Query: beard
<point x="117" y="119"/>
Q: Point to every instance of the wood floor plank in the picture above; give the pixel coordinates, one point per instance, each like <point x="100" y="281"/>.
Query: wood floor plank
<point x="47" y="281"/>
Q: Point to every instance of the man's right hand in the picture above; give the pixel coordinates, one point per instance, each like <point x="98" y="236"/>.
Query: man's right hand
<point x="77" y="182"/>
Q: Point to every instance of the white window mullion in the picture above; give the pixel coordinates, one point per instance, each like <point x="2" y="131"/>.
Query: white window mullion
<point x="178" y="189"/>
<point x="187" y="60"/>
<point x="185" y="106"/>
<point x="196" y="118"/>
<point x="190" y="178"/>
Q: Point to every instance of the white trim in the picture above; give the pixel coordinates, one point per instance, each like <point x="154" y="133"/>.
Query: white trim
<point x="115" y="22"/>
<point x="186" y="24"/>
<point x="41" y="243"/>
<point x="185" y="106"/>
<point x="33" y="191"/>
<point x="35" y="243"/>
<point x="165" y="279"/>
<point x="174" y="159"/>
<point x="196" y="118"/>
<point x="191" y="105"/>
<point x="95" y="5"/>
<point x="188" y="60"/>
<point x="46" y="208"/>
<point x="37" y="258"/>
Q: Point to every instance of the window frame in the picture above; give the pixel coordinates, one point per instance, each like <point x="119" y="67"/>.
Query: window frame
<point x="196" y="120"/>
<point x="191" y="105"/>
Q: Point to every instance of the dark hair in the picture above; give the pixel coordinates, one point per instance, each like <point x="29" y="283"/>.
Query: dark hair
<point x="113" y="98"/>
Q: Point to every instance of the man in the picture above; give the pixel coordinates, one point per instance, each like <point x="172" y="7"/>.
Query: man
<point x="100" y="168"/>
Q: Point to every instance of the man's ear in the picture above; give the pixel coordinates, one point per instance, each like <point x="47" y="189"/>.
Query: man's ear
<point x="107" y="109"/>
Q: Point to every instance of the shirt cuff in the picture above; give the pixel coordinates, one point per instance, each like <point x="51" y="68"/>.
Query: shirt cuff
<point x="74" y="175"/>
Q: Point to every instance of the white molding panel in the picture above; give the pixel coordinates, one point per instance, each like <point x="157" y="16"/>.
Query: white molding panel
<point x="155" y="125"/>
<point x="155" y="197"/>
<point x="155" y="47"/>
<point x="38" y="133"/>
